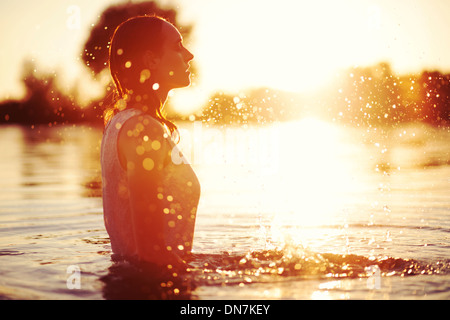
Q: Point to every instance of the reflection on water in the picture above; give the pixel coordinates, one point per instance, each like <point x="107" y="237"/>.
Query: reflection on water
<point x="62" y="160"/>
<point x="303" y="209"/>
<point x="141" y="281"/>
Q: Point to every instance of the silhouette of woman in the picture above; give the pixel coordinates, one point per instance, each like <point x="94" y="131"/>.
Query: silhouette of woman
<point x="149" y="201"/>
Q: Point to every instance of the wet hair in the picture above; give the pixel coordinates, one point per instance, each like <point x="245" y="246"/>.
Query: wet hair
<point x="131" y="77"/>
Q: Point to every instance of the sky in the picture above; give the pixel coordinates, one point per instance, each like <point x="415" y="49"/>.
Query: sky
<point x="292" y="45"/>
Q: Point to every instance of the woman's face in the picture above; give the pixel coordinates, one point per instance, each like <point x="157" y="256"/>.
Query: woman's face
<point x="172" y="66"/>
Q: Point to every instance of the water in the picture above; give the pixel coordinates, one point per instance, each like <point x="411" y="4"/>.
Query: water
<point x="299" y="210"/>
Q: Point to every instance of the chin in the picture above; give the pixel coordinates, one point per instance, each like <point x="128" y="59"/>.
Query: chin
<point x="188" y="79"/>
<point x="179" y="80"/>
<point x="183" y="83"/>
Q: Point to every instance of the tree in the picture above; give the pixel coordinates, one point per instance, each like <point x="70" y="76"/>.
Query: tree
<point x="45" y="103"/>
<point x="435" y="95"/>
<point x="96" y="49"/>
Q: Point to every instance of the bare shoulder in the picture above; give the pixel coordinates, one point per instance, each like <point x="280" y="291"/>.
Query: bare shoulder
<point x="140" y="136"/>
<point x="143" y="125"/>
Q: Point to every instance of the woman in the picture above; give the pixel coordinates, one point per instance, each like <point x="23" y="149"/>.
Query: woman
<point x="149" y="202"/>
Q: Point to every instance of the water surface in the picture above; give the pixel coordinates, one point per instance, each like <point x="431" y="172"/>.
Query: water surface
<point x="298" y="210"/>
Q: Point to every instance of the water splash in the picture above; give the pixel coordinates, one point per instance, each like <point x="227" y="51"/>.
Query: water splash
<point x="273" y="265"/>
<point x="131" y="281"/>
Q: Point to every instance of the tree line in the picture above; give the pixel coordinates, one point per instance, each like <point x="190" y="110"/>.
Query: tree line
<point x="376" y="96"/>
<point x="362" y="96"/>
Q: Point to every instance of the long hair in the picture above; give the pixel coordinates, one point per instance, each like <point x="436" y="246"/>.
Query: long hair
<point x="131" y="77"/>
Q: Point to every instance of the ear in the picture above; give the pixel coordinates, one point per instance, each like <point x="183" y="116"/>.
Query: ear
<point x="151" y="61"/>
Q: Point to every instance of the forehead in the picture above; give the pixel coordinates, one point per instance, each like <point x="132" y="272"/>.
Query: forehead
<point x="170" y="33"/>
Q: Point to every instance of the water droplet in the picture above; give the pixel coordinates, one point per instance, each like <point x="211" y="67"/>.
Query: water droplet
<point x="145" y="75"/>
<point x="140" y="150"/>
<point x="121" y="104"/>
<point x="139" y="127"/>
<point x="156" y="145"/>
<point x="148" y="164"/>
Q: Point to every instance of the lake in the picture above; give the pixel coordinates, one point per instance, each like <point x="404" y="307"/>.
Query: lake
<point x="295" y="210"/>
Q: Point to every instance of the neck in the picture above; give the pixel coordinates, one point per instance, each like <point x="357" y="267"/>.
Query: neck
<point x="162" y="94"/>
<point x="149" y="103"/>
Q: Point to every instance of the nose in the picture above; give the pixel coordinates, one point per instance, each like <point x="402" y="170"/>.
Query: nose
<point x="188" y="55"/>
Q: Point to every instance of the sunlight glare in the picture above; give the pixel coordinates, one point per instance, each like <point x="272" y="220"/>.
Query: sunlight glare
<point x="313" y="180"/>
<point x="298" y="49"/>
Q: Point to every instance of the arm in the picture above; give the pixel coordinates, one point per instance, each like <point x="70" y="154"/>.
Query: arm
<point x="143" y="148"/>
